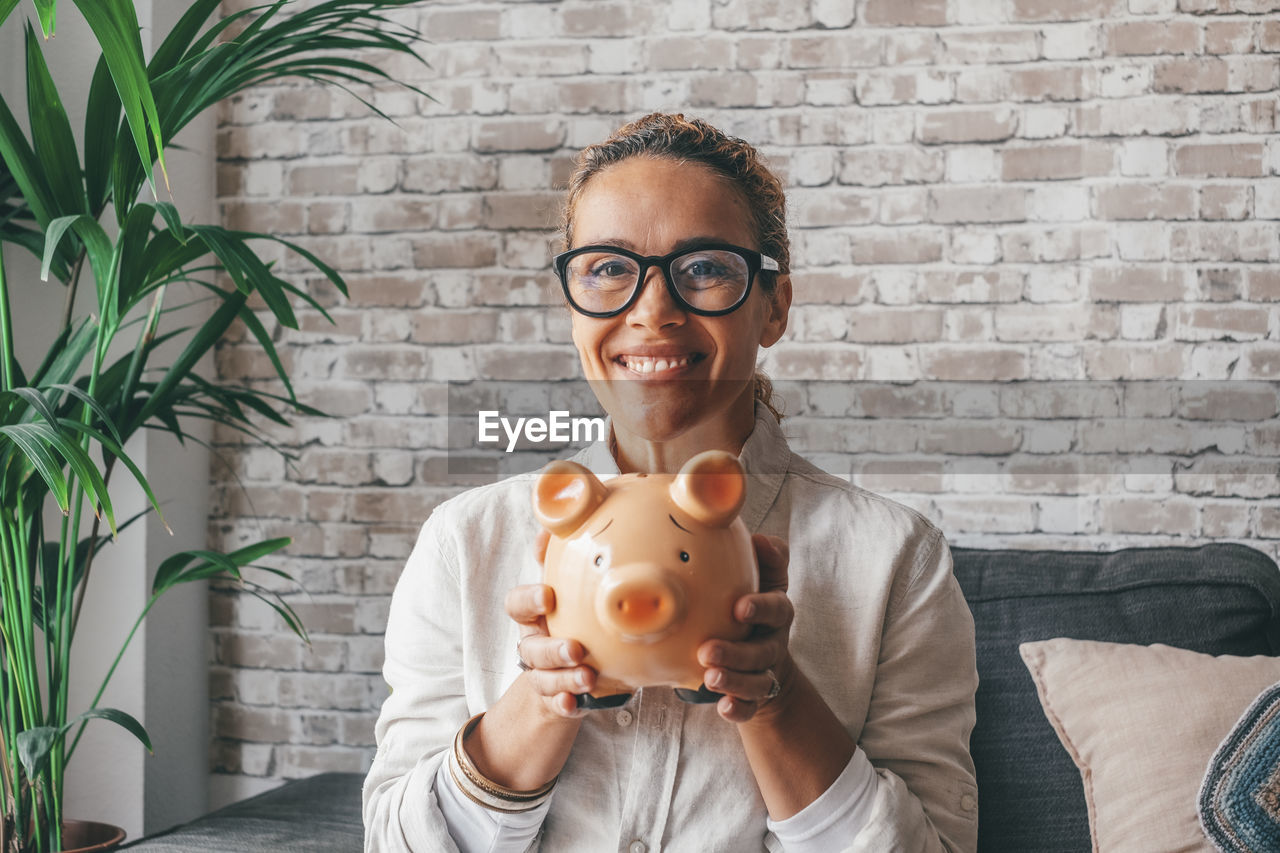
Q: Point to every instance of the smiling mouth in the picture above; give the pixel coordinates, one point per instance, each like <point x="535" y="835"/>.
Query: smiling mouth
<point x="650" y="366"/>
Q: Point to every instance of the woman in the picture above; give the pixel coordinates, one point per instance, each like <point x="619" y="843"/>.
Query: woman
<point x="848" y="729"/>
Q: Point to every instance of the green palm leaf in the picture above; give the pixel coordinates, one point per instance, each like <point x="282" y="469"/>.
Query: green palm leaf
<point x="55" y="145"/>
<point x="115" y="24"/>
<point x="6" y="6"/>
<point x="34" y="447"/>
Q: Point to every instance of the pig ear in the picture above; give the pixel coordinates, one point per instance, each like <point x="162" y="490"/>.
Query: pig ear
<point x="566" y="493"/>
<point x="711" y="487"/>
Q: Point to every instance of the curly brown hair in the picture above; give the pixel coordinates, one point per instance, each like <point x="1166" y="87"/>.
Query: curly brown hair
<point x="674" y="137"/>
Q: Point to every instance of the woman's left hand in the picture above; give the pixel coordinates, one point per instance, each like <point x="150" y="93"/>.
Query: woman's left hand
<point x="741" y="670"/>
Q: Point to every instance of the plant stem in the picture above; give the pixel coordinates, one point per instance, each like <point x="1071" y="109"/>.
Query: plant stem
<point x="88" y="563"/>
<point x="70" y="304"/>
<point x="6" y="330"/>
<point x="115" y="663"/>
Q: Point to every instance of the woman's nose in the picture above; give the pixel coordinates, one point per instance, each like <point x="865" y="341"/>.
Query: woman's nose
<point x="655" y="308"/>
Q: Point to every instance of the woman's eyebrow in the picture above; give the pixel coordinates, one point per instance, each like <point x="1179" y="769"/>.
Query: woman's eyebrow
<point x="686" y="243"/>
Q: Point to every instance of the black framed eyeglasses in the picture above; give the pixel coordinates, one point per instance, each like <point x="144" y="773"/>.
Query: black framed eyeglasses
<point x="709" y="279"/>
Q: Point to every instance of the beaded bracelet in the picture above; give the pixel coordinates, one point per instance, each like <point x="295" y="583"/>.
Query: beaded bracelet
<point x="484" y="791"/>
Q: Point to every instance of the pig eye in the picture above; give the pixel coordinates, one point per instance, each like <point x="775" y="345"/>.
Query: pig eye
<point x="599" y="560"/>
<point x="684" y="556"/>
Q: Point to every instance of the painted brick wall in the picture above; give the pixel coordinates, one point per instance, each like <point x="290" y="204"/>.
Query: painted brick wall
<point x="982" y="190"/>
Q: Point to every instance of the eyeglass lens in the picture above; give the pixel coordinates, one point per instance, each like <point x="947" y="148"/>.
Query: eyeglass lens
<point x="707" y="279"/>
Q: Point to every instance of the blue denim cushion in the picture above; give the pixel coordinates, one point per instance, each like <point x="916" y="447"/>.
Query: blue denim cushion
<point x="1216" y="599"/>
<point x="1239" y="800"/>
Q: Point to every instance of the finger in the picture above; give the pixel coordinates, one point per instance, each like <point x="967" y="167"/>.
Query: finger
<point x="753" y="656"/>
<point x="549" y="682"/>
<point x="736" y="710"/>
<point x="543" y="652"/>
<point x="566" y="705"/>
<point x="751" y="686"/>
<point x="540" y="545"/>
<point x="767" y="609"/>
<point x="773" y="554"/>
<point x="528" y="602"/>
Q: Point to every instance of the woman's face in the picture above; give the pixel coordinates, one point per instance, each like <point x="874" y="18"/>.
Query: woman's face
<point x="657" y="369"/>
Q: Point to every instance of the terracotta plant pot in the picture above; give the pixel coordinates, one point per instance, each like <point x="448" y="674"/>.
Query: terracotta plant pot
<point x="87" y="836"/>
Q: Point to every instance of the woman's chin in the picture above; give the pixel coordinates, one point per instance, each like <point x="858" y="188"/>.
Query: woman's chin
<point x="663" y="411"/>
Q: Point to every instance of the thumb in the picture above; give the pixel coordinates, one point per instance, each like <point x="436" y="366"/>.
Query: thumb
<point x="540" y="545"/>
<point x="773" y="555"/>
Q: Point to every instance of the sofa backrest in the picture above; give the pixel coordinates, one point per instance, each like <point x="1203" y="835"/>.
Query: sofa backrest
<point x="1216" y="599"/>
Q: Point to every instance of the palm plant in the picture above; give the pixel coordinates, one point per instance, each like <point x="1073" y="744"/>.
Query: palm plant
<point x="64" y="422"/>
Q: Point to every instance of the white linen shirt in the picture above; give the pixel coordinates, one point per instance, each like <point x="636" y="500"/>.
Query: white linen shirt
<point x="881" y="629"/>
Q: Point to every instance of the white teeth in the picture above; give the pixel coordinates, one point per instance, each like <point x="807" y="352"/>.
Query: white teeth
<point x="645" y="364"/>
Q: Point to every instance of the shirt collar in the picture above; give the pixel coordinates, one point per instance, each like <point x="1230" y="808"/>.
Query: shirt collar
<point x="765" y="456"/>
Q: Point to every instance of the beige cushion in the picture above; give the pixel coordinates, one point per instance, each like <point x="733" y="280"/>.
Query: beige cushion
<point x="1141" y="723"/>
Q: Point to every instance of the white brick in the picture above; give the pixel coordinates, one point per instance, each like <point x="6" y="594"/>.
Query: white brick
<point x="524" y="172"/>
<point x="903" y="205"/>
<point x="689" y="15"/>
<point x="264" y="178"/>
<point x="1070" y="41"/>
<point x="895" y="286"/>
<point x="1141" y="241"/>
<point x="976" y="12"/>
<point x="1073" y="515"/>
<point x="1148" y="482"/>
<point x="1266" y="199"/>
<point x="1214" y="361"/>
<point x="1123" y="81"/>
<point x="1144" y="157"/>
<point x="1044" y="122"/>
<point x="972" y="165"/>
<point x="1153" y="7"/>
<point x="1049" y="437"/>
<point x="1059" y="203"/>
<point x="812" y="167"/>
<point x="607" y="57"/>
<point x="1141" y="322"/>
<point x="892" y="127"/>
<point x="833" y="14"/>
<point x="1057" y="361"/>
<point x="393" y="468"/>
<point x="890" y="364"/>
<point x="1054" y="283"/>
<point x="975" y="247"/>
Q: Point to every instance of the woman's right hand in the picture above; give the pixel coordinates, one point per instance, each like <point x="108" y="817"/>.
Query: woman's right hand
<point x="556" y="671"/>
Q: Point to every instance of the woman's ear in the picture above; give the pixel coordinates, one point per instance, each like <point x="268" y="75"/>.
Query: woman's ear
<point x="777" y="310"/>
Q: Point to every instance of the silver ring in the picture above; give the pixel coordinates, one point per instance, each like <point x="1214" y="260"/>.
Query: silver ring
<point x="520" y="657"/>
<point x="775" y="688"/>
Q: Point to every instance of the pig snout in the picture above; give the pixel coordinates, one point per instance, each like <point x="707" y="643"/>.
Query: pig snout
<point x="641" y="603"/>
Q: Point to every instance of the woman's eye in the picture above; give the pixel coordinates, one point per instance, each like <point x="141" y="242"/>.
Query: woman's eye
<point x="703" y="269"/>
<point x="610" y="269"/>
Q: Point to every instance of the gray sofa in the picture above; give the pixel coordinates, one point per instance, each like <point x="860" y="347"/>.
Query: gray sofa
<point x="1218" y="599"/>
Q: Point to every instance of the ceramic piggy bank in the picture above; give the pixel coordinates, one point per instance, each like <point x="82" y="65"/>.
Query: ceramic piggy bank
<point x="645" y="568"/>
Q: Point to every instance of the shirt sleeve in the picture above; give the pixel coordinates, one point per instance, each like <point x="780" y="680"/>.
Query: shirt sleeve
<point x="921" y="715"/>
<point x="836" y="816"/>
<point x="476" y="829"/>
<point x="404" y="807"/>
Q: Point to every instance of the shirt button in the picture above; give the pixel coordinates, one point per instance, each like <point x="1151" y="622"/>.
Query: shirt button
<point x="625" y="718"/>
<point x="637" y="847"/>
<point x="968" y="803"/>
